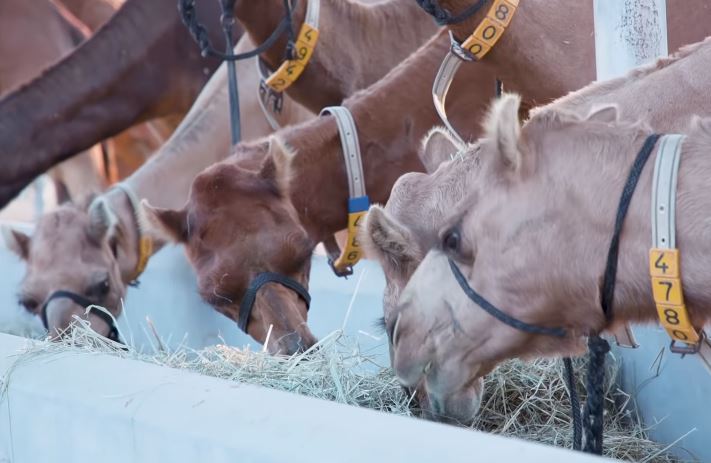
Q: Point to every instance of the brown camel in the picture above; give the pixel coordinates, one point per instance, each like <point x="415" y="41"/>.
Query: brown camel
<point x="142" y="64"/>
<point x="173" y="54"/>
<point x="205" y="132"/>
<point x="399" y="238"/>
<point x="364" y="51"/>
<point x="78" y="176"/>
<point x="85" y="173"/>
<point x="564" y="169"/>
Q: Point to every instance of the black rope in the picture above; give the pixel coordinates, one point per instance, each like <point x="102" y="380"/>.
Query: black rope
<point x="290" y="52"/>
<point x="598" y="347"/>
<point x="444" y="17"/>
<point x="608" y="282"/>
<point x="574" y="403"/>
<point x="188" y="15"/>
<point x="228" y="22"/>
<point x="505" y="318"/>
<point x="593" y="414"/>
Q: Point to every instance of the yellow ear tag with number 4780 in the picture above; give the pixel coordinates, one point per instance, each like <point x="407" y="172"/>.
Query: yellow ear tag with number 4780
<point x="668" y="295"/>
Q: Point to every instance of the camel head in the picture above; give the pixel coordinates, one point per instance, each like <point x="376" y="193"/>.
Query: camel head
<point x="399" y="235"/>
<point x="73" y="249"/>
<point x="513" y="234"/>
<point x="237" y="224"/>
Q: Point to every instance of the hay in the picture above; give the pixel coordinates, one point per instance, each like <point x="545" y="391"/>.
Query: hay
<point x="527" y="400"/>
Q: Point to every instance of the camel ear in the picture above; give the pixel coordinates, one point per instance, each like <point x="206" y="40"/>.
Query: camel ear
<point x="102" y="220"/>
<point x="276" y="165"/>
<point x="503" y="127"/>
<point x="17" y="241"/>
<point x="387" y="241"/>
<point x="166" y="224"/>
<point x="438" y="146"/>
<point x="608" y="114"/>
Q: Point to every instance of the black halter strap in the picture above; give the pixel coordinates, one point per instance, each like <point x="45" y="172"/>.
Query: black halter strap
<point x="444" y="17"/>
<point x="607" y="291"/>
<point x="84" y="302"/>
<point x="504" y="318"/>
<point x="245" y="308"/>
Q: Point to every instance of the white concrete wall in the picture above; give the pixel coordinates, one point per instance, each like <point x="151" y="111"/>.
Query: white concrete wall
<point x="628" y="33"/>
<point x="97" y="408"/>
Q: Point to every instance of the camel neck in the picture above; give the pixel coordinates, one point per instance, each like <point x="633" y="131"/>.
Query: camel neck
<point x="522" y="58"/>
<point x="389" y="140"/>
<point x="379" y="37"/>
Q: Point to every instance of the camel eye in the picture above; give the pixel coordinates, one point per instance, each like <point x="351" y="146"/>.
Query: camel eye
<point x="451" y="240"/>
<point x="29" y="304"/>
<point x="101" y="289"/>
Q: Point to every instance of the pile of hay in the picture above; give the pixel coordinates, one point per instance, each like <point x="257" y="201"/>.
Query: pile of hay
<point x="528" y="400"/>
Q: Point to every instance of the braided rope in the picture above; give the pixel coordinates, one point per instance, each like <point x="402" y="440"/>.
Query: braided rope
<point x="443" y="16"/>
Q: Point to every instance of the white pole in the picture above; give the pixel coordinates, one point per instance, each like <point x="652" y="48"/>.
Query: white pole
<point x="628" y="33"/>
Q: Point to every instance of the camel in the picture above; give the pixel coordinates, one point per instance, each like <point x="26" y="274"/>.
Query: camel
<point x="501" y="237"/>
<point x="58" y="39"/>
<point x="52" y="118"/>
<point x="399" y="238"/>
<point x="206" y="132"/>
<point x="225" y="267"/>
<point x="83" y="174"/>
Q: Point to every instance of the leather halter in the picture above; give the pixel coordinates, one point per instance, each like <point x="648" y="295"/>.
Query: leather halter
<point x="145" y="242"/>
<point x="245" y="308"/>
<point x="342" y="261"/>
<point x="93" y="308"/>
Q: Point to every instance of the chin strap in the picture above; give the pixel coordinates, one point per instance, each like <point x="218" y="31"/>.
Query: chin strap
<point x="93" y="308"/>
<point x="245" y="308"/>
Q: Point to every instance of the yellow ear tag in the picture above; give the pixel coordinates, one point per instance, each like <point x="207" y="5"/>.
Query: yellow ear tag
<point x="490" y="30"/>
<point x="145" y="247"/>
<point x="664" y="268"/>
<point x="290" y="70"/>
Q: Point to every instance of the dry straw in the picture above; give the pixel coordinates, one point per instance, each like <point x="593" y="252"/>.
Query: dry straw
<point x="528" y="400"/>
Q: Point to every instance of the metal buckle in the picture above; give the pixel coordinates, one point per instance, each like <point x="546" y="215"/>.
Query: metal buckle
<point x="271" y="98"/>
<point x="344" y="273"/>
<point x="458" y="51"/>
<point x="689" y="349"/>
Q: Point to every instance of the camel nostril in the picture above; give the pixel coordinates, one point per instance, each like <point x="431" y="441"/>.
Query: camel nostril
<point x="394" y="332"/>
<point x="427" y="368"/>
